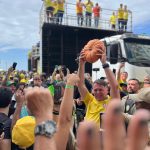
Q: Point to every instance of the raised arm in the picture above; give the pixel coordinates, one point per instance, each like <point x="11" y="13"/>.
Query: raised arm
<point x="81" y="70"/>
<point x="40" y="104"/>
<point x="7" y="75"/>
<point x="61" y="72"/>
<point x="65" y="117"/>
<point x="19" y="95"/>
<point x="53" y="76"/>
<point x="114" y="90"/>
<point x="119" y="70"/>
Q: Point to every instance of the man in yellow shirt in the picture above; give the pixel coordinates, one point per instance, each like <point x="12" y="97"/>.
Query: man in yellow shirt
<point x="55" y="12"/>
<point x="49" y="5"/>
<point x="113" y="21"/>
<point x="60" y="11"/>
<point x="88" y="13"/>
<point x="120" y="17"/>
<point x="96" y="103"/>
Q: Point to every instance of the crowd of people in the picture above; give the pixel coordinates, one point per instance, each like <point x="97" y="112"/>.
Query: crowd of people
<point x="64" y="111"/>
<point x="86" y="12"/>
<point x="121" y="16"/>
<point x="55" y="11"/>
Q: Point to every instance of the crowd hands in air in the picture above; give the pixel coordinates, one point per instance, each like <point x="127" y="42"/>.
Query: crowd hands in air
<point x="72" y="112"/>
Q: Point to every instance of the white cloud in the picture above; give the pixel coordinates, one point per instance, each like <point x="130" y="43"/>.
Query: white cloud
<point x="19" y="23"/>
<point x="19" y="20"/>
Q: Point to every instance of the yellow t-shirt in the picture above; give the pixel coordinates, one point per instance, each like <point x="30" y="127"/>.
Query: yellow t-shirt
<point x="120" y="13"/>
<point x="55" y="8"/>
<point x="94" y="108"/>
<point x="125" y="16"/>
<point x="119" y="82"/>
<point x="60" y="6"/>
<point x="49" y="3"/>
<point x="89" y="7"/>
<point x="113" y="19"/>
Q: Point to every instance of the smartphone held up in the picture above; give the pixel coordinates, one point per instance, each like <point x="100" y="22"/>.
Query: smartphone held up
<point x="14" y="65"/>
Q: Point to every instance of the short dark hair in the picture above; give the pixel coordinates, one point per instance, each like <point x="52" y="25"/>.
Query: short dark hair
<point x="135" y="80"/>
<point x="101" y="82"/>
<point x="5" y="97"/>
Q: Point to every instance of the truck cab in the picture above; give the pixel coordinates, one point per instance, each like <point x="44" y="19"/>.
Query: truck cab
<point x="130" y="48"/>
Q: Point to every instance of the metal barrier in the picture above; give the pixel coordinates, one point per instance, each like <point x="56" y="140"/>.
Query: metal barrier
<point x="70" y="18"/>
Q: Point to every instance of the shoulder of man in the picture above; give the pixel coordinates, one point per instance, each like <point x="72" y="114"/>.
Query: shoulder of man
<point x="6" y="121"/>
<point x="3" y="117"/>
<point x="128" y="104"/>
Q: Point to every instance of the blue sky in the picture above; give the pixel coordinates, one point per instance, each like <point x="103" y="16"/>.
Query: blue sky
<point x="19" y="26"/>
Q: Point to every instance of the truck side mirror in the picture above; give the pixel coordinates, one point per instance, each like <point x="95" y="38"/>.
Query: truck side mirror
<point x="113" y="56"/>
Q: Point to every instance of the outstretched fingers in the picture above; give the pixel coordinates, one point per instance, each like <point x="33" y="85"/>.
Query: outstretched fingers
<point x="88" y="137"/>
<point x="138" y="131"/>
<point x="114" y="136"/>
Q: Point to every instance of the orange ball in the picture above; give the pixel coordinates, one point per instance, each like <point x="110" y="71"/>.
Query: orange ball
<point x="92" y="50"/>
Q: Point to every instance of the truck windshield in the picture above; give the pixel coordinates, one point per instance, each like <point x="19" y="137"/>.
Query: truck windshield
<point x="138" y="51"/>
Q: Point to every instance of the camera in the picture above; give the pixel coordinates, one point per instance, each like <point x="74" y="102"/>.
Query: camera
<point x="64" y="70"/>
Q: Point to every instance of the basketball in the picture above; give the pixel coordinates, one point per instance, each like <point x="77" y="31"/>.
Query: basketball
<point x="92" y="50"/>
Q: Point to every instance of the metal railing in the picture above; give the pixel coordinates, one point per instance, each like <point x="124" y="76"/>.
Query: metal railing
<point x="70" y="18"/>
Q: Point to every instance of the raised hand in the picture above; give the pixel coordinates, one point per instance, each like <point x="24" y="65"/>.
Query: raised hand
<point x="39" y="102"/>
<point x="10" y="70"/>
<point x="72" y="79"/>
<point x="102" y="54"/>
<point x="82" y="57"/>
<point x="19" y="95"/>
<point x="114" y="135"/>
<point x="121" y="65"/>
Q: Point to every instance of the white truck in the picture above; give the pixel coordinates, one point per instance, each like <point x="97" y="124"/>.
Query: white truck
<point x="130" y="48"/>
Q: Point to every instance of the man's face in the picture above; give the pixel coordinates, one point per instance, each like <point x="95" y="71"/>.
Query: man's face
<point x="37" y="81"/>
<point x="124" y="76"/>
<point x="58" y="77"/>
<point x="99" y="91"/>
<point x="146" y="82"/>
<point x="133" y="86"/>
